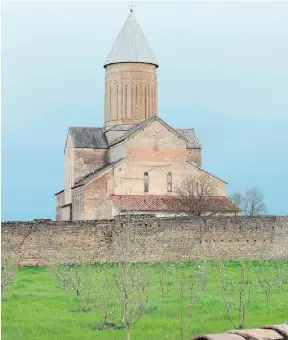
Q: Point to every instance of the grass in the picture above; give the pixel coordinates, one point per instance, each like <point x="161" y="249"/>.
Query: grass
<point x="36" y="308"/>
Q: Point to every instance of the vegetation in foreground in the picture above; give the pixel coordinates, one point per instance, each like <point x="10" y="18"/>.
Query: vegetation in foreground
<point x="168" y="301"/>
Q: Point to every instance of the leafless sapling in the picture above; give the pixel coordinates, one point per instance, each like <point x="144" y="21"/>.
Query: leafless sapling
<point x="236" y="292"/>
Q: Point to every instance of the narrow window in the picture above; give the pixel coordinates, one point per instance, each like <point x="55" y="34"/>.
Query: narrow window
<point x="117" y="100"/>
<point x="197" y="188"/>
<point x="146" y="182"/>
<point x="145" y="99"/>
<point x="169" y="182"/>
<point x="126" y="101"/>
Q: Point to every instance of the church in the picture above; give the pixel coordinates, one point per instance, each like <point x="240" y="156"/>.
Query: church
<point x="132" y="164"/>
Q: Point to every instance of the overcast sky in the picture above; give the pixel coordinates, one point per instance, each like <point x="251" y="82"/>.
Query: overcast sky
<point x="223" y="71"/>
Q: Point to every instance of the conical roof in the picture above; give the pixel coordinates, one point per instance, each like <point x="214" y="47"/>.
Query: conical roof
<point x="131" y="45"/>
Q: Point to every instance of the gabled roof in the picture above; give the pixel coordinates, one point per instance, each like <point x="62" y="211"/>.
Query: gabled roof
<point x="131" y="45"/>
<point x="88" y="137"/>
<point x="119" y="127"/>
<point x="166" y="203"/>
<point x="95" y="138"/>
<point x="206" y="172"/>
<point x="146" y="122"/>
<point x="95" y="173"/>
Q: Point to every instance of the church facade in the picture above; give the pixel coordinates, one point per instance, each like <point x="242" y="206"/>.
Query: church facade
<point x="132" y="164"/>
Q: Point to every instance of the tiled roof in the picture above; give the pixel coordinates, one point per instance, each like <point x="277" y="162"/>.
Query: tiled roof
<point x="95" y="138"/>
<point x="131" y="45"/>
<point x="165" y="203"/>
<point x="190" y="135"/>
<point x="88" y="137"/>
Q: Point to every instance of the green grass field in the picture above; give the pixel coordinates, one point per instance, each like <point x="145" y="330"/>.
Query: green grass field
<point x="36" y="308"/>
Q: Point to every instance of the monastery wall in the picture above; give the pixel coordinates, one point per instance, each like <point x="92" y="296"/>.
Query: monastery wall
<point x="146" y="239"/>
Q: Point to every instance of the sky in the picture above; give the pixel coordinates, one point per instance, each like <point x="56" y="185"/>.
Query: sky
<point x="223" y="70"/>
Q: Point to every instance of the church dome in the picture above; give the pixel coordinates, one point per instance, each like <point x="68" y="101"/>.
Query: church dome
<point x="131" y="45"/>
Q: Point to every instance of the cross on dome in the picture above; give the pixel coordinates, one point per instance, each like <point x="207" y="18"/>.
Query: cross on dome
<point x="131" y="6"/>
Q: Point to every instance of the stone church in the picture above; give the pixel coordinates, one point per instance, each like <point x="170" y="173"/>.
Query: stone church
<point x="130" y="165"/>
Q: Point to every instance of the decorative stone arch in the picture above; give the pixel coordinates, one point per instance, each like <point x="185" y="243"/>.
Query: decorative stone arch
<point x="126" y="100"/>
<point x="153" y="98"/>
<point x="117" y="100"/>
<point x="146" y="100"/>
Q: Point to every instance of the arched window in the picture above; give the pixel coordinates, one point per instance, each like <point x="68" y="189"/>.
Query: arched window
<point x="146" y="182"/>
<point x="126" y="101"/>
<point x="169" y="182"/>
<point x="117" y="92"/>
<point x="145" y="101"/>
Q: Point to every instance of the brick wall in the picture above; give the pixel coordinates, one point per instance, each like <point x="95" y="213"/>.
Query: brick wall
<point x="87" y="159"/>
<point x="96" y="202"/>
<point x="138" y="82"/>
<point x="194" y="156"/>
<point x="149" y="239"/>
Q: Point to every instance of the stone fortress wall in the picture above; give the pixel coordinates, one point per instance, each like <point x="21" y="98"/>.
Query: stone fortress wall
<point x="146" y="239"/>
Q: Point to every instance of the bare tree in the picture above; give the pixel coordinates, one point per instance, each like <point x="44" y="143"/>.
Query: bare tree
<point x="236" y="292"/>
<point x="129" y="291"/>
<point x="166" y="279"/>
<point x="254" y="203"/>
<point x="197" y="195"/>
<point x="237" y="201"/>
<point x="127" y="286"/>
<point x="80" y="279"/>
<point x="192" y="281"/>
<point x="266" y="275"/>
<point x="281" y="273"/>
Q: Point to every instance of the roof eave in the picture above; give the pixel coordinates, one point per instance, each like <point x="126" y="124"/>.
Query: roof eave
<point x="131" y="62"/>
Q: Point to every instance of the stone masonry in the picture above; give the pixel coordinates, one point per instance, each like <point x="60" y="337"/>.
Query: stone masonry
<point x="146" y="239"/>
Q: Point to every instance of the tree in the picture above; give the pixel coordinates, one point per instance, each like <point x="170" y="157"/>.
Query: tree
<point x="236" y="292"/>
<point x="254" y="203"/>
<point x="197" y="195"/>
<point x="81" y="279"/>
<point x="266" y="275"/>
<point x="129" y="290"/>
<point x="238" y="201"/>
<point x="192" y="280"/>
<point x="166" y="279"/>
